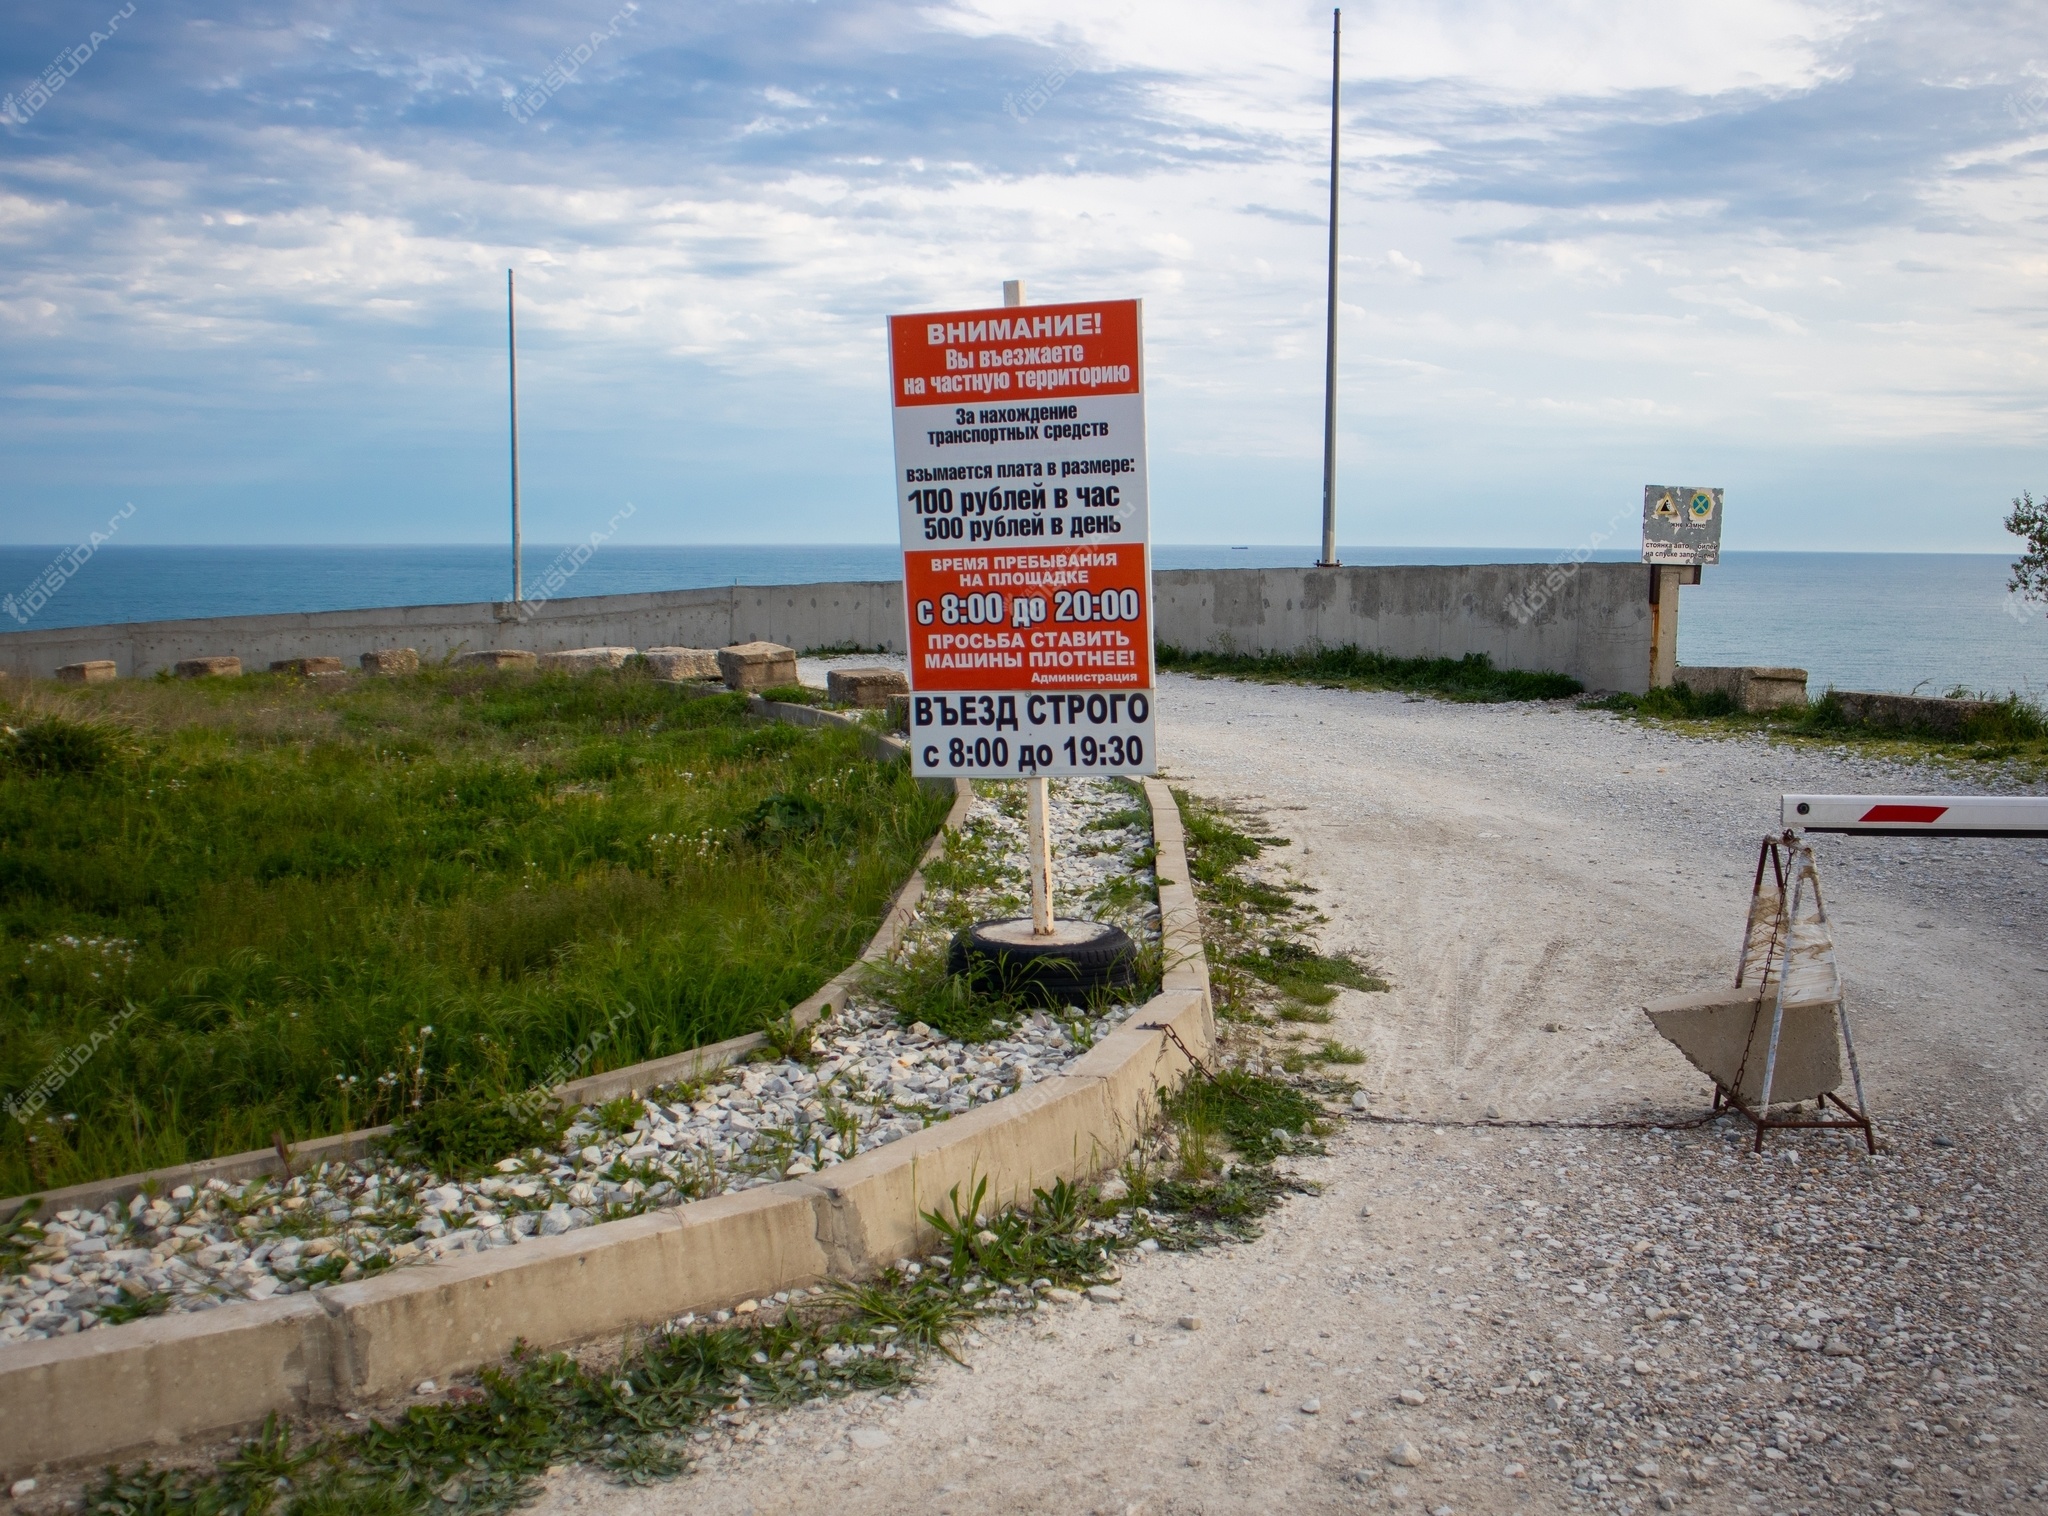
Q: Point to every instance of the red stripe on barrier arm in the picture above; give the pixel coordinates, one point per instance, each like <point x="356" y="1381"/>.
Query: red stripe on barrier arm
<point x="1899" y="813"/>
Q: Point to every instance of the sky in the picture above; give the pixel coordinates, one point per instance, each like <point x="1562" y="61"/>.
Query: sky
<point x="252" y="261"/>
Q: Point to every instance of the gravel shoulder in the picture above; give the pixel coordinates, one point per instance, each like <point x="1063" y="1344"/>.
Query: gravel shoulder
<point x="1501" y="1319"/>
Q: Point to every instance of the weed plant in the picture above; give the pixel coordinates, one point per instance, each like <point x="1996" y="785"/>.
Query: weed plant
<point x="1259" y="968"/>
<point x="1260" y="1117"/>
<point x="461" y="1131"/>
<point x="319" y="905"/>
<point x="1471" y="678"/>
<point x="1304" y="975"/>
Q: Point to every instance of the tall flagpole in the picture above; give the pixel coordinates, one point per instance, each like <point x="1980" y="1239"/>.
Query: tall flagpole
<point x="1329" y="558"/>
<point x="512" y="373"/>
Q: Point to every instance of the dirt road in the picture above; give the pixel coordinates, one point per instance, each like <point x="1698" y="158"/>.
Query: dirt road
<point x="1530" y="1318"/>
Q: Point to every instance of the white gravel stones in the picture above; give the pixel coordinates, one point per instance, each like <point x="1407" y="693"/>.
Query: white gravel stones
<point x="1405" y="1455"/>
<point x="875" y="1082"/>
<point x="1800" y="1344"/>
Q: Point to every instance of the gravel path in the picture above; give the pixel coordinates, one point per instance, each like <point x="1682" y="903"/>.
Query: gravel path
<point x="875" y="1082"/>
<point x="1535" y="1319"/>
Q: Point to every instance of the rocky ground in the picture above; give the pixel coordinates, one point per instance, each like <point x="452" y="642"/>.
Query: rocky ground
<point x="876" y="1081"/>
<point x="1474" y="1316"/>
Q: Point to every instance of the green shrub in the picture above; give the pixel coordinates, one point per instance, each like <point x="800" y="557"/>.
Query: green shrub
<point x="1677" y="701"/>
<point x="53" y="746"/>
<point x="783" y="818"/>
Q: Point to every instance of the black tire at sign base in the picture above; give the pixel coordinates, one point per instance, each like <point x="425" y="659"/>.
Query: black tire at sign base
<point x="1060" y="972"/>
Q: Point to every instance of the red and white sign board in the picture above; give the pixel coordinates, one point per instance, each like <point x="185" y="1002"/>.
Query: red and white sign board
<point x="1027" y="570"/>
<point x="1918" y="815"/>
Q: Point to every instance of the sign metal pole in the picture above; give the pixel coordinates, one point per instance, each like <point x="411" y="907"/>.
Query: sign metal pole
<point x="1037" y="790"/>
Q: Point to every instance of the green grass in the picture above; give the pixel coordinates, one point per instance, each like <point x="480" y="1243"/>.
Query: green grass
<point x="1471" y="678"/>
<point x="1305" y="975"/>
<point x="1246" y="922"/>
<point x="306" y="906"/>
<point x="2014" y="730"/>
<point x="1261" y="1117"/>
<point x="631" y="1416"/>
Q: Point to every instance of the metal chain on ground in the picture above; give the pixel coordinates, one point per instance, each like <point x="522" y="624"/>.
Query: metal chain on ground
<point x="1185" y="1051"/>
<point x="1497" y="1121"/>
<point x="1553" y="1124"/>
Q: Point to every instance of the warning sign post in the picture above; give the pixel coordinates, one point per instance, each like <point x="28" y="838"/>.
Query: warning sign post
<point x="1027" y="574"/>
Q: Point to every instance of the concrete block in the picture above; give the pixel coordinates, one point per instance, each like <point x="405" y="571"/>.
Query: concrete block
<point x="871" y="1207"/>
<point x="583" y="660"/>
<point x="209" y="668"/>
<point x="1907" y="713"/>
<point x="683" y="662"/>
<point x="448" y="1317"/>
<point x="122" y="1390"/>
<point x="1187" y="963"/>
<point x="1726" y="1035"/>
<point x="497" y="658"/>
<point x="308" y="668"/>
<point x="1752" y="689"/>
<point x="92" y="671"/>
<point x="757" y="665"/>
<point x="870" y="689"/>
<point x="233" y="1168"/>
<point x="391" y="660"/>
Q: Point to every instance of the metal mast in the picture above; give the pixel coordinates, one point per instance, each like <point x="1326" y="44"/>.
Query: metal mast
<point x="1329" y="558"/>
<point x="512" y="373"/>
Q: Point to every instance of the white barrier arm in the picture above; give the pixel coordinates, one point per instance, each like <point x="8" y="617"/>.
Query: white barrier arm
<point x="1917" y="815"/>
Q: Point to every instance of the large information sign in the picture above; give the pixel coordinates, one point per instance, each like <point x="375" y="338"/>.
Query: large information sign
<point x="1027" y="578"/>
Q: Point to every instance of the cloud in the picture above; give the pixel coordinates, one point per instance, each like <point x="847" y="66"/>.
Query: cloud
<point x="256" y="253"/>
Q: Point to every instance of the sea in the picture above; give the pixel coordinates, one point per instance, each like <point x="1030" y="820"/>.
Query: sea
<point x="1899" y="622"/>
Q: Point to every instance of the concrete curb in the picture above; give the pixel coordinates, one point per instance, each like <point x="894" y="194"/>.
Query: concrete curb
<point x="119" y="1391"/>
<point x="262" y="1163"/>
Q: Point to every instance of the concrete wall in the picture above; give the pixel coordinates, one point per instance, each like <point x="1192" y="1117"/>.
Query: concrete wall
<point x="802" y="616"/>
<point x="1590" y="620"/>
